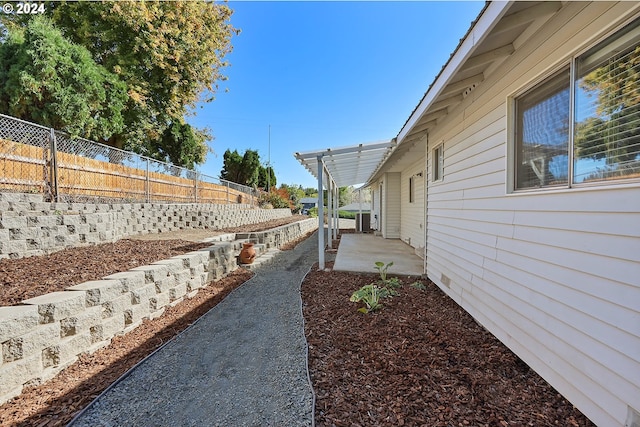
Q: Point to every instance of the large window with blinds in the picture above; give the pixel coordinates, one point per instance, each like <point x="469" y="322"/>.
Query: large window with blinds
<point x="582" y="124"/>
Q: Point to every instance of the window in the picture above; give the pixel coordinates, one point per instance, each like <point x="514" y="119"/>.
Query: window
<point x="542" y="124"/>
<point x="586" y="131"/>
<point x="438" y="162"/>
<point x="412" y="189"/>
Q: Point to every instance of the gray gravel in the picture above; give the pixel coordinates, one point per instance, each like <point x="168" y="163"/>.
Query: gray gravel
<point x="244" y="363"/>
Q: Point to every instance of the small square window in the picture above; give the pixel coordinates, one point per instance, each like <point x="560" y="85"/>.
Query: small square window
<point x="438" y="162"/>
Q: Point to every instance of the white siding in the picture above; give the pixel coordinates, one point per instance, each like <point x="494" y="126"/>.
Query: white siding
<point x="412" y="229"/>
<point x="391" y="202"/>
<point x="553" y="274"/>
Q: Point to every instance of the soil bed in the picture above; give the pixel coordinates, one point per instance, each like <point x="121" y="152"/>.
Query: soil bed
<point x="419" y="361"/>
<point x="30" y="277"/>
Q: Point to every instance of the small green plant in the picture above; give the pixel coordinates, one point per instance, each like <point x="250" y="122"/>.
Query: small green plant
<point x="418" y="285"/>
<point x="370" y="295"/>
<point x="392" y="283"/>
<point x="382" y="269"/>
<point x="373" y="293"/>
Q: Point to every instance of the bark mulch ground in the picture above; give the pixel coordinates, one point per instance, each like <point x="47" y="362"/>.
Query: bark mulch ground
<point x="30" y="277"/>
<point x="419" y="361"/>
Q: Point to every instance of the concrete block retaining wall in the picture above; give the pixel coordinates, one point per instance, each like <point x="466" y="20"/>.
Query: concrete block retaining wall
<point x="47" y="333"/>
<point x="278" y="236"/>
<point x="29" y="226"/>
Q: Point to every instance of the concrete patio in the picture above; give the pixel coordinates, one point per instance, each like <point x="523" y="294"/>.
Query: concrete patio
<point x="359" y="252"/>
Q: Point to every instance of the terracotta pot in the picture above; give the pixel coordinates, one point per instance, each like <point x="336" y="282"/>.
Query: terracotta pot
<point x="247" y="254"/>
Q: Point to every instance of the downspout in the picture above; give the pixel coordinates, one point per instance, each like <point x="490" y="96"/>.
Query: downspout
<point x="426" y="204"/>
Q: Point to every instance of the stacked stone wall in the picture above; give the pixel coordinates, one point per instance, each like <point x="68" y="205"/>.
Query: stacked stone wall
<point x="276" y="237"/>
<point x="45" y="334"/>
<point x="29" y="226"/>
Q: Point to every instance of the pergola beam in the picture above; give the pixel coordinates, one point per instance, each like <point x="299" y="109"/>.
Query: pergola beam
<point x="336" y="168"/>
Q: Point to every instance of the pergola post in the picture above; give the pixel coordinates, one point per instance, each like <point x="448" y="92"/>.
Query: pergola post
<point x="342" y="166"/>
<point x="330" y="213"/>
<point x="336" y="217"/>
<point x="360" y="210"/>
<point x="320" y="216"/>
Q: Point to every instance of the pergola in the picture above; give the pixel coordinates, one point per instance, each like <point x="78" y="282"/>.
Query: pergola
<point x="341" y="167"/>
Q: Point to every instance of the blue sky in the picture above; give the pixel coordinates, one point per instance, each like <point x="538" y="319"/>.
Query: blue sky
<point x="326" y="74"/>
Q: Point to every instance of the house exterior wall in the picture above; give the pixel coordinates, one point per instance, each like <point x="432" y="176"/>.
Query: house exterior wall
<point x="412" y="228"/>
<point x="554" y="274"/>
<point x="375" y="206"/>
<point x="391" y="209"/>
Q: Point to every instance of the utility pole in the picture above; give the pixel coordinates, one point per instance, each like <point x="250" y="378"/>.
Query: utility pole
<point x="269" y="164"/>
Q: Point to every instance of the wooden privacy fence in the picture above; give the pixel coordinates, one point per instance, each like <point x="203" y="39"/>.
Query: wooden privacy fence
<point x="37" y="159"/>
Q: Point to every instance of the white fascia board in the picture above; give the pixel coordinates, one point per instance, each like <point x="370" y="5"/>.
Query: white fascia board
<point x="484" y="24"/>
<point x="345" y="150"/>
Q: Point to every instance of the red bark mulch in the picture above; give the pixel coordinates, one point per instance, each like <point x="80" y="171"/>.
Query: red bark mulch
<point x="420" y="361"/>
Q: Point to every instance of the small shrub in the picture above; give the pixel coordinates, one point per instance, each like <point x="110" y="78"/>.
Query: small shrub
<point x="370" y="295"/>
<point x="383" y="288"/>
<point x="392" y="284"/>
<point x="346" y="214"/>
<point x="275" y="199"/>
<point x="418" y="285"/>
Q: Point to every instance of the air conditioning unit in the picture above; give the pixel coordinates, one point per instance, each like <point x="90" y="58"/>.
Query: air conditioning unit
<point x="363" y="219"/>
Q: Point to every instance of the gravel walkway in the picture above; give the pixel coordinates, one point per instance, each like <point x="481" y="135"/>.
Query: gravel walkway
<point x="244" y="363"/>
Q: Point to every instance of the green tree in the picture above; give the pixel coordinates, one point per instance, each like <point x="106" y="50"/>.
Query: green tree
<point x="311" y="192"/>
<point x="232" y="162"/>
<point x="48" y="80"/>
<point x="241" y="169"/>
<point x="344" y="196"/>
<point x="170" y="55"/>
<point x="266" y="177"/>
<point x="182" y="144"/>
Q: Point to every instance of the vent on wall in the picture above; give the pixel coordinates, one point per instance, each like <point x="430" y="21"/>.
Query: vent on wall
<point x="445" y="280"/>
<point x="468" y="90"/>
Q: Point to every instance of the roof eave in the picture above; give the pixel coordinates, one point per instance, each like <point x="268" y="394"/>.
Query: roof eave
<point x="479" y="30"/>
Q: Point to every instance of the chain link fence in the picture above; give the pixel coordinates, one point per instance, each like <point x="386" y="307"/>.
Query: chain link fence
<point x="37" y="159"/>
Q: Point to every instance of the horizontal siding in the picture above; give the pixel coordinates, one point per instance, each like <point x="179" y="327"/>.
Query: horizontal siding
<point x="552" y="356"/>
<point x="554" y="274"/>
<point x="412" y="229"/>
<point x="627" y="248"/>
<point x="392" y="204"/>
